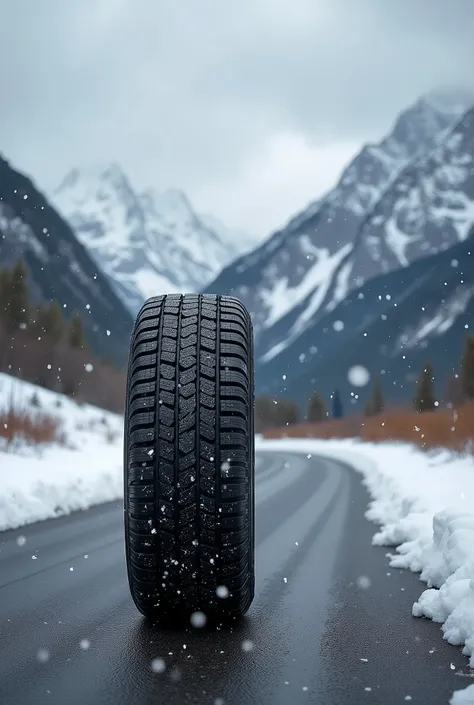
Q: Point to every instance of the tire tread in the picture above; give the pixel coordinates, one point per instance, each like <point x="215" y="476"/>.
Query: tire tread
<point x="189" y="470"/>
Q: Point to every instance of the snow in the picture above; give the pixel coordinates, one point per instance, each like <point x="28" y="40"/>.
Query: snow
<point x="458" y="208"/>
<point x="342" y="285"/>
<point x="37" y="484"/>
<point x="439" y="321"/>
<point x="463" y="697"/>
<point x="147" y="242"/>
<point x="423" y="504"/>
<point x="281" y="298"/>
<point x="358" y="376"/>
<point x="396" y="239"/>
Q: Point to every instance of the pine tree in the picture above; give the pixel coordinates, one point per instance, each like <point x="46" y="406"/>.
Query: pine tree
<point x="375" y="404"/>
<point x="76" y="332"/>
<point x="5" y="290"/>
<point x="16" y="297"/>
<point x="316" y="409"/>
<point x="69" y="387"/>
<point x="50" y="321"/>
<point x="424" y="398"/>
<point x="264" y="412"/>
<point x="289" y="412"/>
<point x="337" y="408"/>
<point x="34" y="400"/>
<point x="273" y="413"/>
<point x="467" y="368"/>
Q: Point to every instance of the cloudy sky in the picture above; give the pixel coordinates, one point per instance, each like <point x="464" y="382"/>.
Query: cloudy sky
<point x="252" y="107"/>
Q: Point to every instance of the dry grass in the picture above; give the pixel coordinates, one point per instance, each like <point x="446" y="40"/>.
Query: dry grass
<point x="447" y="428"/>
<point x="17" y="425"/>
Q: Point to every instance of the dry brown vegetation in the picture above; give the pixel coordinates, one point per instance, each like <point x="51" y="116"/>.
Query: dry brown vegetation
<point x="34" y="428"/>
<point x="447" y="428"/>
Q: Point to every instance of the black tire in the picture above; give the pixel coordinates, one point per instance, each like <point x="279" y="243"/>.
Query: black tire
<point x="189" y="458"/>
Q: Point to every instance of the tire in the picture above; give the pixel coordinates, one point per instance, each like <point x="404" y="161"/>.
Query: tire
<point x="189" y="458"/>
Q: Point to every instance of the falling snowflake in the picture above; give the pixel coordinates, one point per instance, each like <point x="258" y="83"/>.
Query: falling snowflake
<point x="358" y="376"/>
<point x="43" y="655"/>
<point x="222" y="592"/>
<point x="158" y="665"/>
<point x="364" y="582"/>
<point x="198" y="620"/>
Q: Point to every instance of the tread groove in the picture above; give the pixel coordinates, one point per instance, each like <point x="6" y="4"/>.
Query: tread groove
<point x="157" y="447"/>
<point x="176" y="477"/>
<point x="198" y="428"/>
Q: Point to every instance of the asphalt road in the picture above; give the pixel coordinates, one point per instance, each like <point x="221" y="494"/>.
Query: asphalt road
<point x="330" y="623"/>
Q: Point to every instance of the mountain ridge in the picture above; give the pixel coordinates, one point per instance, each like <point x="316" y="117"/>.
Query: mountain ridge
<point x="391" y="326"/>
<point x="303" y="257"/>
<point x="146" y="241"/>
<point x="411" y="221"/>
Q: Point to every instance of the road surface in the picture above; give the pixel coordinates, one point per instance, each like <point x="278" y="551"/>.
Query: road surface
<point x="330" y="623"/>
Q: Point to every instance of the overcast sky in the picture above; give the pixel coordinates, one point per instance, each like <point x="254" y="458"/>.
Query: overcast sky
<point x="252" y="107"/>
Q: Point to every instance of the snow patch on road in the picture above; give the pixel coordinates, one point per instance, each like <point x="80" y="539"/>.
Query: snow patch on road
<point x="424" y="506"/>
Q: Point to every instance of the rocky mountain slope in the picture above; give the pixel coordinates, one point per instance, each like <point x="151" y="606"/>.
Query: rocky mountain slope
<point x="334" y="246"/>
<point x="391" y="327"/>
<point x="59" y="266"/>
<point x="146" y="242"/>
<point x="428" y="207"/>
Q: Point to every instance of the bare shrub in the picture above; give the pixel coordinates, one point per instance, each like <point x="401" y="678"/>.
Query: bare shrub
<point x="33" y="428"/>
<point x="445" y="428"/>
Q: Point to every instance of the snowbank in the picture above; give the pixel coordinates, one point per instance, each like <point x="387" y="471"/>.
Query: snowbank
<point x="40" y="483"/>
<point x="424" y="505"/>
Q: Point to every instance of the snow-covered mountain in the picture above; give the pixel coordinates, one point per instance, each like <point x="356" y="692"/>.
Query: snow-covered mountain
<point x="390" y="327"/>
<point x="428" y="207"/>
<point x="413" y="261"/>
<point x="146" y="242"/>
<point x="59" y="267"/>
<point x="332" y="247"/>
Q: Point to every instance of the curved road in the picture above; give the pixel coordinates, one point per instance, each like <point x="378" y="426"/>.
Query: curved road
<point x="330" y="623"/>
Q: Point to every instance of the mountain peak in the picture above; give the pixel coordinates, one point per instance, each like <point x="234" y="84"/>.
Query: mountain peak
<point x="173" y="202"/>
<point x="450" y="100"/>
<point x="148" y="242"/>
<point x="111" y="172"/>
<point x="318" y="258"/>
<point x="102" y="182"/>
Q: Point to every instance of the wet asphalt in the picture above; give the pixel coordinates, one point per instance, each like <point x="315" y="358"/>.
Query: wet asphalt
<point x="331" y="621"/>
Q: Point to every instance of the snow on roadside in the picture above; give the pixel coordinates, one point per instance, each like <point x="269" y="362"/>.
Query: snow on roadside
<point x="43" y="482"/>
<point x="424" y="505"/>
